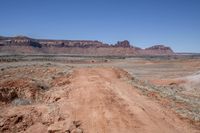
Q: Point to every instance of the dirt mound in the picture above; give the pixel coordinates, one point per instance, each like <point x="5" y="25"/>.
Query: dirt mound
<point x="92" y="100"/>
<point x="21" y="91"/>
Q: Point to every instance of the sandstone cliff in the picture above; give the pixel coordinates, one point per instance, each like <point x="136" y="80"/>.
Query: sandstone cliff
<point x="23" y="44"/>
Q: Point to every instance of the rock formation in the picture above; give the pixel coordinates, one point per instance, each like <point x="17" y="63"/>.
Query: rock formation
<point x="23" y="44"/>
<point x="124" y="44"/>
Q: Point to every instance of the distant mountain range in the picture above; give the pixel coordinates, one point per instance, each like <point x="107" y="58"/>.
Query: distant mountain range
<point x="27" y="45"/>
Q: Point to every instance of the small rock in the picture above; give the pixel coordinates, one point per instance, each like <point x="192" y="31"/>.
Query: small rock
<point x="37" y="128"/>
<point x="59" y="126"/>
<point x="77" y="130"/>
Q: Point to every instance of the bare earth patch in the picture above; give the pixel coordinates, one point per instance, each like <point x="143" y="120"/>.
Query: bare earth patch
<point x="94" y="99"/>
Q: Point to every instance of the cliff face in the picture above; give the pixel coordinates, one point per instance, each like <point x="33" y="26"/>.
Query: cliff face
<point x="124" y="44"/>
<point x="26" y="41"/>
<point x="157" y="50"/>
<point x="23" y="44"/>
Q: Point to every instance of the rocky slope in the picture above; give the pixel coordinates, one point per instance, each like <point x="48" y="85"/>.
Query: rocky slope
<point x="23" y="44"/>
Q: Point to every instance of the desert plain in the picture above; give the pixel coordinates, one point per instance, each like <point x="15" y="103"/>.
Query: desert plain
<point x="88" y="94"/>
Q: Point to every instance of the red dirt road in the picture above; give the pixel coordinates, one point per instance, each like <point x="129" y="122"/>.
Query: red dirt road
<point x="105" y="103"/>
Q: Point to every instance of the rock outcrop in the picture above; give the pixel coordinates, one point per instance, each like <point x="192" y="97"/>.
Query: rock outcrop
<point x="23" y="44"/>
<point x="158" y="47"/>
<point x="123" y="44"/>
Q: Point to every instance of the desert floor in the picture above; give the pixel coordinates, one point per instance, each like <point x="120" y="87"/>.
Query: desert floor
<point x="58" y="94"/>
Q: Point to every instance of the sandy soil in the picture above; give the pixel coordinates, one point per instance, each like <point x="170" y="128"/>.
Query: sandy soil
<point x="106" y="103"/>
<point x="92" y="100"/>
<point x="98" y="95"/>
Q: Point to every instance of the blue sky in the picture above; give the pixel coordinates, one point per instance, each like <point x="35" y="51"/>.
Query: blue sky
<point x="175" y="23"/>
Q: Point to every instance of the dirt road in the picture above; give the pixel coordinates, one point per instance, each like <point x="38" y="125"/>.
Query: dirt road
<point x="100" y="100"/>
<point x="105" y="103"/>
